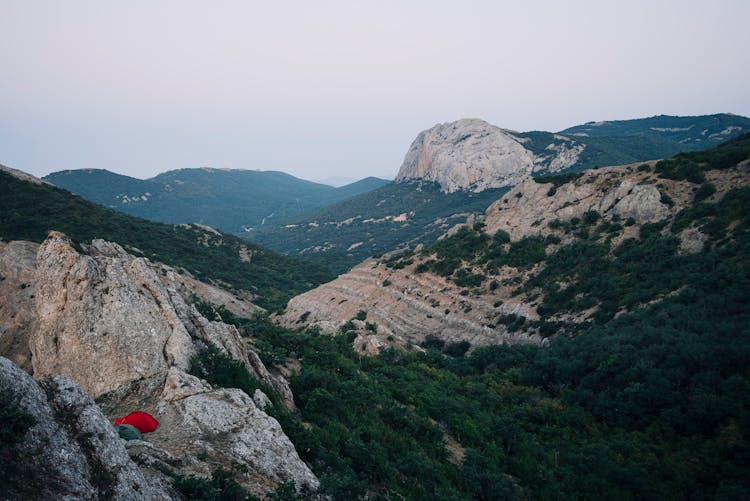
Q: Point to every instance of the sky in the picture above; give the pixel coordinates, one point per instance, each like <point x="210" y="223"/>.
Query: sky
<point x="341" y="88"/>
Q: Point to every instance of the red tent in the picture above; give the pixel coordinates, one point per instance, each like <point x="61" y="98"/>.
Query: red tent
<point x="144" y="421"/>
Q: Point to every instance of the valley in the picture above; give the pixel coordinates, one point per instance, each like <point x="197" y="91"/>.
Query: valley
<point x="577" y="334"/>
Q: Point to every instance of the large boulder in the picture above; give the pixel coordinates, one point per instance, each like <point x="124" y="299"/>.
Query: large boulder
<point x="227" y="427"/>
<point x="473" y="155"/>
<point x="70" y="450"/>
<point x="104" y="318"/>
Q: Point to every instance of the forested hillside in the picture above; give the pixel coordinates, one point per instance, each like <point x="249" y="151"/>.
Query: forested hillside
<point x="643" y="391"/>
<point x="29" y="211"/>
<point x="379" y="221"/>
<point x="230" y="200"/>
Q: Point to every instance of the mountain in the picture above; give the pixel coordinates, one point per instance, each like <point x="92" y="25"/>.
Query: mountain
<point x="470" y="283"/>
<point x="473" y="155"/>
<point x="31" y="209"/>
<point x="336" y="181"/>
<point x="457" y="169"/>
<point x="582" y="340"/>
<point x="230" y="200"/>
<point x="397" y="214"/>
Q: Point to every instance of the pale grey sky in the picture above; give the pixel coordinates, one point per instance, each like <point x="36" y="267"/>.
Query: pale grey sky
<point x="322" y="88"/>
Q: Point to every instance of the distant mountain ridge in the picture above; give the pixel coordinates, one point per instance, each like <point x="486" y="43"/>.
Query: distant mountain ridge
<point x="231" y="200"/>
<point x="31" y="208"/>
<point x="457" y="169"/>
<point x="473" y="155"/>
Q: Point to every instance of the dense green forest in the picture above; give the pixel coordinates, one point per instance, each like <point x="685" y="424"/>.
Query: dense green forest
<point x="221" y="198"/>
<point x="29" y="211"/>
<point x="649" y="399"/>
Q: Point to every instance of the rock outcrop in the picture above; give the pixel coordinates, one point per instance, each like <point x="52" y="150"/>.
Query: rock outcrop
<point x="17" y="303"/>
<point x="108" y="307"/>
<point x="473" y="155"/>
<point x="530" y="207"/>
<point x="227" y="426"/>
<point x="121" y="327"/>
<point x="404" y="307"/>
<point x="404" y="304"/>
<point x="70" y="450"/>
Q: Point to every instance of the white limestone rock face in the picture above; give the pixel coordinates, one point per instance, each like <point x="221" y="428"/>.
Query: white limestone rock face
<point x="72" y="451"/>
<point x="104" y="318"/>
<point x="530" y="207"/>
<point x="239" y="430"/>
<point x="473" y="155"/>
<point x="468" y="154"/>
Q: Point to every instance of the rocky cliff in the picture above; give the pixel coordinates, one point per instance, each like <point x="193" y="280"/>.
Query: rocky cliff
<point x="122" y="328"/>
<point x="406" y="300"/>
<point x="404" y="307"/>
<point x="473" y="155"/>
<point x="66" y="448"/>
<point x="17" y="300"/>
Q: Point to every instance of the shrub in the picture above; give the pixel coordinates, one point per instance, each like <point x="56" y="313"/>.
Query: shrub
<point x="559" y="179"/>
<point x="705" y="191"/>
<point x="15" y="421"/>
<point x="457" y="349"/>
<point x="220" y="487"/>
<point x="590" y="217"/>
<point x="220" y="369"/>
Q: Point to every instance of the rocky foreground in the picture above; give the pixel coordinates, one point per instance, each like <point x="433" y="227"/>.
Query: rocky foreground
<point x="92" y="321"/>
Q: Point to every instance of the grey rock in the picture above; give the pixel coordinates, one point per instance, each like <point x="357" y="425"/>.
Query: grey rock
<point x="230" y="427"/>
<point x="71" y="452"/>
<point x="473" y="155"/>
<point x="107" y="307"/>
<point x="529" y="207"/>
<point x="261" y="400"/>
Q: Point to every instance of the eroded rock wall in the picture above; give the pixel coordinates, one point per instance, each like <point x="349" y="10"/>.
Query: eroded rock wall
<point x="71" y="451"/>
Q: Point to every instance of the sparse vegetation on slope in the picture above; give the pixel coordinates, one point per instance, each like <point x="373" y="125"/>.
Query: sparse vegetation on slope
<point x="373" y="223"/>
<point x="647" y="398"/>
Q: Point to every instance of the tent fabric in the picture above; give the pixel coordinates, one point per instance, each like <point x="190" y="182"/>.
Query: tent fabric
<point x="128" y="432"/>
<point x="144" y="421"/>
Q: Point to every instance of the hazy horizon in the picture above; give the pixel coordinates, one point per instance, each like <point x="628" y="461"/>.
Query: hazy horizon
<point x="334" y="89"/>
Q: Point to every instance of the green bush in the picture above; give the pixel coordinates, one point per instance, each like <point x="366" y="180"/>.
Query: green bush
<point x="219" y="369"/>
<point x="704" y="191"/>
<point x="220" y="487"/>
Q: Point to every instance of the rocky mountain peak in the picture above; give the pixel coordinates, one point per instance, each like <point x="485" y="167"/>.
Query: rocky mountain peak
<point x="471" y="154"/>
<point x="468" y="154"/>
